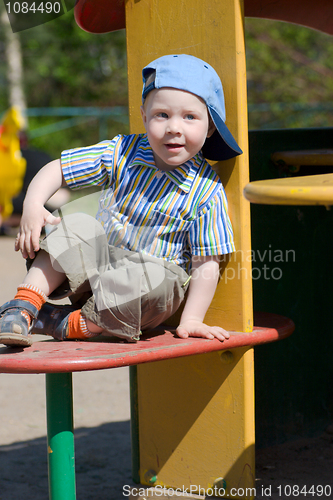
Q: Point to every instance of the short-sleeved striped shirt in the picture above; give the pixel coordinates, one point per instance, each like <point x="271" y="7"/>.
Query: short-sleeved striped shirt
<point x="171" y="215"/>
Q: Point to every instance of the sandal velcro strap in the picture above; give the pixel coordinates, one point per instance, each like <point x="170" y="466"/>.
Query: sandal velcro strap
<point x="53" y="320"/>
<point x="20" y="304"/>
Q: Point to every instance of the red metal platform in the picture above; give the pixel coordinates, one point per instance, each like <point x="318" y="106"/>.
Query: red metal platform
<point x="103" y="16"/>
<point x="50" y="356"/>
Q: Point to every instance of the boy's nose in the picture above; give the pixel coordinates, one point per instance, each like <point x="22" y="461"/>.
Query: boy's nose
<point x="173" y="126"/>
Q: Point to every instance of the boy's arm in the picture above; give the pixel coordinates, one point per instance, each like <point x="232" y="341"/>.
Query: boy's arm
<point x="205" y="274"/>
<point x="34" y="216"/>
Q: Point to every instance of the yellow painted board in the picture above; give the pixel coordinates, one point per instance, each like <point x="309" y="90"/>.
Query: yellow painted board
<point x="213" y="31"/>
<point x="195" y="414"/>
<point x="302" y="190"/>
<point x="196" y="423"/>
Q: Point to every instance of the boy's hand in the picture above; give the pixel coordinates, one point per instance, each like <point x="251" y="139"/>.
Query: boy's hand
<point x="46" y="182"/>
<point x="34" y="218"/>
<point x="195" y="328"/>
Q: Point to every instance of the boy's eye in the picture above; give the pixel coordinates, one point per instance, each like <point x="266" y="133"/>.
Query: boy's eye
<point x="162" y="115"/>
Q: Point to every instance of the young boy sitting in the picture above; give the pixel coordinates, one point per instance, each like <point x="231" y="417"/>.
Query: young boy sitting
<point x="161" y="225"/>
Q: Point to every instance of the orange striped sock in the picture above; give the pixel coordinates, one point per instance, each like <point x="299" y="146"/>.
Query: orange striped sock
<point x="32" y="294"/>
<point x="77" y="327"/>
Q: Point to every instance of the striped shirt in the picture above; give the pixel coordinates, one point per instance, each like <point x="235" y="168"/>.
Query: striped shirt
<point x="171" y="215"/>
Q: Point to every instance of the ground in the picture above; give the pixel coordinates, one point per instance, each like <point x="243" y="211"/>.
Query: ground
<point x="102" y="433"/>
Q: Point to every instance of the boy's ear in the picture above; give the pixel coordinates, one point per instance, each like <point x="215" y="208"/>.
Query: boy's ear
<point x="211" y="127"/>
<point x="144" y="116"/>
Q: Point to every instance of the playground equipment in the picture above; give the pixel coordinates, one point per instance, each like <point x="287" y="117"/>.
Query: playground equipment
<point x="192" y="400"/>
<point x="110" y="16"/>
<point x="303" y="190"/>
<point x="159" y="347"/>
<point x="193" y="420"/>
<point x="12" y="164"/>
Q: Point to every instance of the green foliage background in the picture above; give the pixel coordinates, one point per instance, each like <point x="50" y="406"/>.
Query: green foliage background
<point x="66" y="67"/>
<point x="290" y="75"/>
<point x="289" y="69"/>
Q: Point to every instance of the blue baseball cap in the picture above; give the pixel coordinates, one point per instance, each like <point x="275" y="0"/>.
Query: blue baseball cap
<point x="184" y="72"/>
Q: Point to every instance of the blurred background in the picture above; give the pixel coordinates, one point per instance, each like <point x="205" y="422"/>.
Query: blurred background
<point x="74" y="84"/>
<point x="71" y="86"/>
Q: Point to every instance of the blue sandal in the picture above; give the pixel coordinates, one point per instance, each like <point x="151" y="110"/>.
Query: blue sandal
<point x="53" y="320"/>
<point x="14" y="327"/>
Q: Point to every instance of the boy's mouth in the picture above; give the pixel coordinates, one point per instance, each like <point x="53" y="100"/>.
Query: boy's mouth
<point x="174" y="147"/>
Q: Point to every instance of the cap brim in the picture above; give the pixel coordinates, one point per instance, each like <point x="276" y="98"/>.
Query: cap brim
<point x="221" y="145"/>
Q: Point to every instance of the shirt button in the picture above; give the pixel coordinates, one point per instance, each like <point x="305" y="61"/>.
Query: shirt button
<point x="159" y="175"/>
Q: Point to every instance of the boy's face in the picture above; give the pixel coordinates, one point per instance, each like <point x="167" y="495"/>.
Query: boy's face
<point x="177" y="125"/>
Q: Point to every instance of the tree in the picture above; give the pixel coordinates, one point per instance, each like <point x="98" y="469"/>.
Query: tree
<point x="13" y="55"/>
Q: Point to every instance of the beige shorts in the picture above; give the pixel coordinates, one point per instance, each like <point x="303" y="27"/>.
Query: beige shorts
<point x="121" y="291"/>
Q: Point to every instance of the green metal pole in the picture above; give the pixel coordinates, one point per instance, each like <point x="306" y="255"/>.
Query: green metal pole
<point x="60" y="436"/>
<point x="135" y="423"/>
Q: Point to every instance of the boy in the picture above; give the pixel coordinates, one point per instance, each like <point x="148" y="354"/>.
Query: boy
<point x="162" y="215"/>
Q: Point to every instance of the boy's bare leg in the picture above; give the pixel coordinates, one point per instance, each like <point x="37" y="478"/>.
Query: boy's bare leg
<point x="43" y="275"/>
<point x="92" y="327"/>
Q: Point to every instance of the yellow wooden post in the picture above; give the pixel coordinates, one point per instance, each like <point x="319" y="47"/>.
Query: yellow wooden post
<point x="196" y="415"/>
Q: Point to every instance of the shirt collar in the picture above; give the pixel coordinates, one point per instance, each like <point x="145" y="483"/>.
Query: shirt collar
<point x="182" y="176"/>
